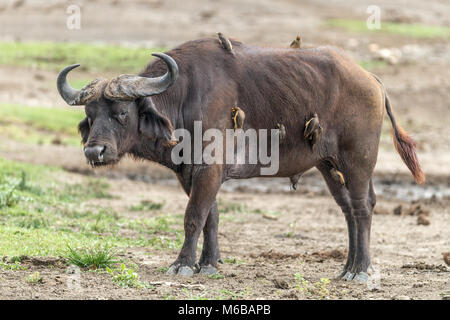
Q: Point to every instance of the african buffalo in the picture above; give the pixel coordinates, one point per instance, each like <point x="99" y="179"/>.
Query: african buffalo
<point x="201" y="81"/>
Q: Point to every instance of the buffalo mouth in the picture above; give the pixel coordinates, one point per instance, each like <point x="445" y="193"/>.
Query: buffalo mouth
<point x="96" y="164"/>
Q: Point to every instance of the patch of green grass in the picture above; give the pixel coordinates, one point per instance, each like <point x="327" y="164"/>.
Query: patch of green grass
<point x="291" y="232"/>
<point x="301" y="284"/>
<point x="41" y="125"/>
<point x="147" y="205"/>
<point x="53" y="240"/>
<point x="98" y="257"/>
<point x="31" y="222"/>
<point x="43" y="213"/>
<point x="158" y="224"/>
<point x="9" y="196"/>
<point x="273" y="214"/>
<point x="25" y="133"/>
<point x="37" y="216"/>
<point x="101" y="222"/>
<point x="165" y="231"/>
<point x="401" y="29"/>
<point x="233" y="261"/>
<point x="18" y="171"/>
<point x="16" y="259"/>
<point x="13" y="266"/>
<point x="162" y="270"/>
<point x="321" y="288"/>
<point x="227" y="207"/>
<point x="34" y="278"/>
<point x="161" y="242"/>
<point x="93" y="188"/>
<point x="318" y="289"/>
<point x="92" y="57"/>
<point x="226" y="294"/>
<point x="61" y="120"/>
<point x="127" y="278"/>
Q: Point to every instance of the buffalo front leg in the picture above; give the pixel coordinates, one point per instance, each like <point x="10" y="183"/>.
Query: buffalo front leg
<point x="210" y="253"/>
<point x="206" y="181"/>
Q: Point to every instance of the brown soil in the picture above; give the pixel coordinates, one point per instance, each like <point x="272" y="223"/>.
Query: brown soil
<point x="309" y="238"/>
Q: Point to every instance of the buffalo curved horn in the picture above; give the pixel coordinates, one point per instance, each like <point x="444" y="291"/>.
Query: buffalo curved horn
<point x="131" y="87"/>
<point x="69" y="94"/>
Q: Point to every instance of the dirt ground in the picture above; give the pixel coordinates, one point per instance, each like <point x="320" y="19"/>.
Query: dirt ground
<point x="309" y="234"/>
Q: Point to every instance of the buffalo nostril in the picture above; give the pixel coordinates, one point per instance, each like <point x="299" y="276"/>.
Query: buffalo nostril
<point x="100" y="157"/>
<point x="95" y="153"/>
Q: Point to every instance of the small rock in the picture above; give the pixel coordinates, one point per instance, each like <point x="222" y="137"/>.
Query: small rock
<point x="269" y="217"/>
<point x="396" y="52"/>
<point x="416" y="210"/>
<point x="280" y="284"/>
<point x="398" y="210"/>
<point x="392" y="60"/>
<point x="384" y="53"/>
<point x="446" y="256"/>
<point x="381" y="211"/>
<point x="291" y="294"/>
<point x="373" y="47"/>
<point x="422" y="220"/>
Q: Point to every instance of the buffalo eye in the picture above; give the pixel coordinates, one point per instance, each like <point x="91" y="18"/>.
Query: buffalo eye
<point x="122" y="116"/>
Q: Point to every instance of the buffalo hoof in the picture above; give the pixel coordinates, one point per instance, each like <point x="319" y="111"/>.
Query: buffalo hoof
<point x="173" y="270"/>
<point x="361" y="277"/>
<point x="347" y="276"/>
<point x="185" y="271"/>
<point x="207" y="270"/>
<point x="180" y="270"/>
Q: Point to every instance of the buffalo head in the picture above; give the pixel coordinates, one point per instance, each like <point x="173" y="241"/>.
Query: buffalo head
<point x="119" y="112"/>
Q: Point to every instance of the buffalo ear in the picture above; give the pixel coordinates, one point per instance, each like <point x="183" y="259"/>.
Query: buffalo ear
<point x="153" y="124"/>
<point x="84" y="129"/>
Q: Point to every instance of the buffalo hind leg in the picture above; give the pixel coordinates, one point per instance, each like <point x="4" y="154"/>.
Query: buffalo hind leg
<point x="342" y="198"/>
<point x="363" y="211"/>
<point x="362" y="199"/>
<point x="206" y="181"/>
